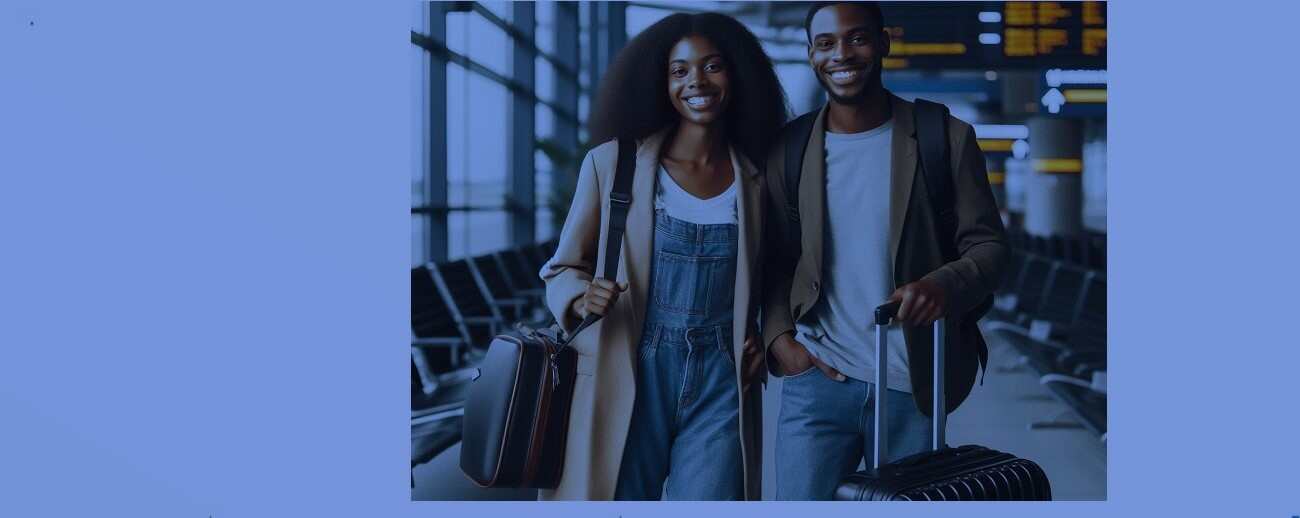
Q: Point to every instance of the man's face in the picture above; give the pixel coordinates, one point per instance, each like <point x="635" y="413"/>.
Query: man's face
<point x="847" y="51"/>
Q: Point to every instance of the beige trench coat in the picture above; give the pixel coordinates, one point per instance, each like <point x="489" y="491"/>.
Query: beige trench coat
<point x="606" y="388"/>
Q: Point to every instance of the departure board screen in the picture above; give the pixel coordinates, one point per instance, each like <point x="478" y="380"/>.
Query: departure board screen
<point x="992" y="35"/>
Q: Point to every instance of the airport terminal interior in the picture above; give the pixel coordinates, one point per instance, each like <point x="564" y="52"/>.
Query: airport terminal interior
<point x="504" y="91"/>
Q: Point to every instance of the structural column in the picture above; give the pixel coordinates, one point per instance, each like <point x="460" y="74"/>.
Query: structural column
<point x="608" y="35"/>
<point x="521" y="167"/>
<point x="1054" y="191"/>
<point x="566" y="88"/>
<point x="435" y="181"/>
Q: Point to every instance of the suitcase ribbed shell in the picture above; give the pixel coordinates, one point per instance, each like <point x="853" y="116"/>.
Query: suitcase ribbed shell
<point x="962" y="473"/>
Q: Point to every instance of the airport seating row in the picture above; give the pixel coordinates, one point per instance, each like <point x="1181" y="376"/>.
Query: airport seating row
<point x="1053" y="312"/>
<point x="1085" y="249"/>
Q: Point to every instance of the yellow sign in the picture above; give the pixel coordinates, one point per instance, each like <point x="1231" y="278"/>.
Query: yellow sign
<point x="1092" y="14"/>
<point x="1018" y="42"/>
<point x="1050" y="39"/>
<point x="996" y="144"/>
<point x="1085" y="95"/>
<point x="1051" y="12"/>
<point x="893" y="63"/>
<point x="1019" y="13"/>
<point x="1058" y="165"/>
<point x="997" y="177"/>
<point x="902" y="48"/>
<point x="1094" y="40"/>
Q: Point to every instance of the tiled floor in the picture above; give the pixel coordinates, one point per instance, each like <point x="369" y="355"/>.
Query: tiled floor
<point x="997" y="415"/>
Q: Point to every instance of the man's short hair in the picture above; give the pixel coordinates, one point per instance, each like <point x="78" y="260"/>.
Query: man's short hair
<point x="872" y="8"/>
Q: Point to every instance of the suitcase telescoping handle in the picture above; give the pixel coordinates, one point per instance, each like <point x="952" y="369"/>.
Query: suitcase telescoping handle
<point x="939" y="416"/>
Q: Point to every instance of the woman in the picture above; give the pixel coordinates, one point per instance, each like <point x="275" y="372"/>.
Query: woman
<point x="660" y="406"/>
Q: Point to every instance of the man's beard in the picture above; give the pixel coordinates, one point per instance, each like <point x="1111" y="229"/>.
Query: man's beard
<point x="867" y="89"/>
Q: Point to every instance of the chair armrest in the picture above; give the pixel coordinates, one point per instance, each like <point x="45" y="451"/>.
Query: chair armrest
<point x="458" y="376"/>
<point x="492" y="324"/>
<point x="1071" y="380"/>
<point x="436" y="341"/>
<point x="1018" y="330"/>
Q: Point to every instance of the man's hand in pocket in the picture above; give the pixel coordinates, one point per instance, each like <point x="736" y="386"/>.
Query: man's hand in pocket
<point x="792" y="358"/>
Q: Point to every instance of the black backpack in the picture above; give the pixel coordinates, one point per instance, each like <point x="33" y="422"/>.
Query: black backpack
<point x="931" y="120"/>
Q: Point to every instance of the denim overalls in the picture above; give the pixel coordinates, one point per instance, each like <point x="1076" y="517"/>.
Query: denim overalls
<point x="685" y="428"/>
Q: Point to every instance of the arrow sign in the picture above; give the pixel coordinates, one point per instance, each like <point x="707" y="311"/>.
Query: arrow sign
<point x="1053" y="100"/>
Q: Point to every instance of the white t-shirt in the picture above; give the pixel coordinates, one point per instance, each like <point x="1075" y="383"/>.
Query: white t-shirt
<point x="857" y="272"/>
<point x="678" y="203"/>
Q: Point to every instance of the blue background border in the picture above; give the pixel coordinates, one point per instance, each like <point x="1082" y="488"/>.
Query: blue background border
<point x="203" y="211"/>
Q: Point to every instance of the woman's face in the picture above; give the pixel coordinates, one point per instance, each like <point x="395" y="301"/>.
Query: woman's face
<point x="698" y="80"/>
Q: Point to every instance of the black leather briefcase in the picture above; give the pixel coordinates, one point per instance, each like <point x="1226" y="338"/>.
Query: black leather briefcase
<point x="943" y="473"/>
<point x="517" y="414"/>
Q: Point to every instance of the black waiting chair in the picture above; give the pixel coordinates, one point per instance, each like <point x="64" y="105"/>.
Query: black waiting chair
<point x="1079" y="380"/>
<point x="1094" y="247"/>
<point x="1026" y="291"/>
<point x="1059" y="299"/>
<point x="1071" y="365"/>
<point x="491" y="278"/>
<point x="1039" y="245"/>
<point x="1016" y="238"/>
<point x="481" y="319"/>
<point x="548" y="248"/>
<point x="1086" y="343"/>
<point x="526" y="285"/>
<point x="1082" y="399"/>
<point x="1011" y="275"/>
<point x="1062" y="327"/>
<point x="439" y="373"/>
<point x="439" y="340"/>
<point x="437" y="415"/>
<point x="521" y="273"/>
<point x="536" y="255"/>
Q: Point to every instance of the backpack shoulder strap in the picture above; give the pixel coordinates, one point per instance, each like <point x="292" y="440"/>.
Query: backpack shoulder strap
<point x="931" y="120"/>
<point x="796" y="145"/>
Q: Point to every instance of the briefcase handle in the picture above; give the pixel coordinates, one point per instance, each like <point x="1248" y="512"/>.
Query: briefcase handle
<point x="884" y="314"/>
<point x="587" y="321"/>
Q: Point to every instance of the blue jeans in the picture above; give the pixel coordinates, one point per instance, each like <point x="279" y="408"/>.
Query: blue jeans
<point x="684" y="438"/>
<point x="826" y="428"/>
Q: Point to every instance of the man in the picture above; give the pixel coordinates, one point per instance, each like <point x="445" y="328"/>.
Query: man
<point x="868" y="235"/>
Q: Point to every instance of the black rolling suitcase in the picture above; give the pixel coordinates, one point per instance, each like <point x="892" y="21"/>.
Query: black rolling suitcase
<point x="943" y="473"/>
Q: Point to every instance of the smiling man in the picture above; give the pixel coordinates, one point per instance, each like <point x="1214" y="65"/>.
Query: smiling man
<point x="850" y="227"/>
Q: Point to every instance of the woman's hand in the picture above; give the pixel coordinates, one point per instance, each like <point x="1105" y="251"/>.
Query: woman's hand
<point x="599" y="297"/>
<point x="752" y="359"/>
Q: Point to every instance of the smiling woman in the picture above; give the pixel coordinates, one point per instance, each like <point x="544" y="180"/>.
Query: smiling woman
<point x="671" y="400"/>
<point x="698" y="80"/>
<point x="632" y="102"/>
